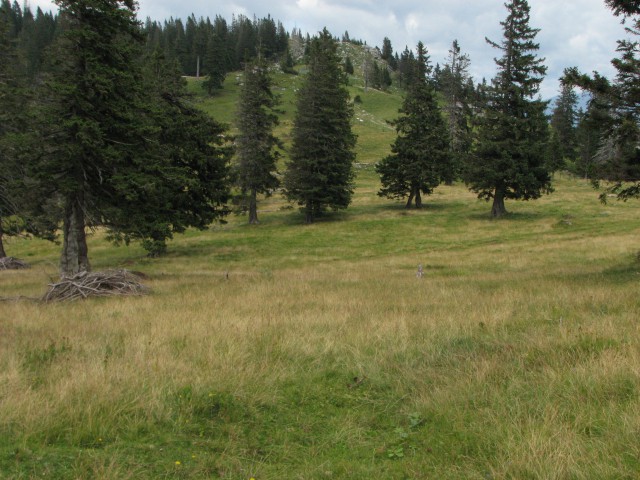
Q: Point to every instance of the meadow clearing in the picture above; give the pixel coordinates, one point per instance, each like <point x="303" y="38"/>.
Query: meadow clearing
<point x="293" y="351"/>
<point x="322" y="355"/>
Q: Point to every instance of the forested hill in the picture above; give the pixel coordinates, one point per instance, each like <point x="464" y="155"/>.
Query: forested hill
<point x="214" y="48"/>
<point x="205" y="47"/>
<point x="218" y="43"/>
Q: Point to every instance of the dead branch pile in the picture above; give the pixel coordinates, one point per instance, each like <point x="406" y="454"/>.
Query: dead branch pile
<point x="10" y="263"/>
<point x="95" y="284"/>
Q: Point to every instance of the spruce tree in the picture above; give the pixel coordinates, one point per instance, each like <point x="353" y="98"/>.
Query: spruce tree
<point x="564" y="121"/>
<point x="509" y="158"/>
<point x="21" y="207"/>
<point x="116" y="151"/>
<point x="215" y="62"/>
<point x="592" y="127"/>
<point x="454" y="85"/>
<point x="287" y="63"/>
<point x="90" y="128"/>
<point x="406" y="68"/>
<point x="320" y="171"/>
<point x="186" y="172"/>
<point x="420" y="157"/>
<point x="10" y="106"/>
<point x="618" y="158"/>
<point x="255" y="143"/>
<point x="387" y="54"/>
<point x="348" y="66"/>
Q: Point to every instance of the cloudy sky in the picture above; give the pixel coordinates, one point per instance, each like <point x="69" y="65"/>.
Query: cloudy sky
<point x="580" y="33"/>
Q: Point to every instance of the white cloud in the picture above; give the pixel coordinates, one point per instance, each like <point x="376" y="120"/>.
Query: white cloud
<point x="307" y="4"/>
<point x="412" y="23"/>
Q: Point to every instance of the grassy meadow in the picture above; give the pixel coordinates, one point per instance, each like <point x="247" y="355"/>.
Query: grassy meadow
<point x="292" y="351"/>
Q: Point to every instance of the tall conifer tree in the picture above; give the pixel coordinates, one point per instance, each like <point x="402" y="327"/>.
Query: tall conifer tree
<point x="509" y="159"/>
<point x="115" y="151"/>
<point x="593" y="123"/>
<point x="215" y="62"/>
<point x="420" y="158"/>
<point x="91" y="126"/>
<point x="320" y="173"/>
<point x="455" y="87"/>
<point x="255" y="144"/>
<point x="10" y="106"/>
<point x="564" y="121"/>
<point x="618" y="158"/>
<point x="186" y="172"/>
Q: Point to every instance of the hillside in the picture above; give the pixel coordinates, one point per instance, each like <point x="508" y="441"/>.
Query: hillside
<point x="292" y="351"/>
<point x="375" y="135"/>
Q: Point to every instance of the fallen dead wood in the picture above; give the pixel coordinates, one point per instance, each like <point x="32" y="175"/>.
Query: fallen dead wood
<point x="10" y="263"/>
<point x="95" y="284"/>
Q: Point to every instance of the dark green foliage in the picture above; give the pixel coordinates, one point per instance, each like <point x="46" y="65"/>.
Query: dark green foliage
<point x="420" y="158"/>
<point x="592" y="125"/>
<point x="91" y="135"/>
<point x="457" y="89"/>
<point x="624" y="7"/>
<point x="186" y="173"/>
<point x="9" y="123"/>
<point x="256" y="165"/>
<point x="564" y="120"/>
<point x="555" y="153"/>
<point x="509" y="158"/>
<point x="234" y="44"/>
<point x="118" y="148"/>
<point x="406" y="68"/>
<point x="387" y="49"/>
<point x="618" y="155"/>
<point x="348" y="66"/>
<point x="387" y="54"/>
<point x="320" y="173"/>
<point x="243" y="38"/>
<point x="215" y="64"/>
<point x="381" y="78"/>
<point x="287" y="63"/>
<point x="376" y="74"/>
<point x="30" y="34"/>
<point x="267" y="38"/>
<point x="21" y="208"/>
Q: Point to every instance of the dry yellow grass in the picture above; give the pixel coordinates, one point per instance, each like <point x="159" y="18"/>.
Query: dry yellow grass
<point x="518" y="350"/>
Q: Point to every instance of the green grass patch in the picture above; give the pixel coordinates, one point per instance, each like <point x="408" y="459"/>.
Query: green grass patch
<point x="286" y="350"/>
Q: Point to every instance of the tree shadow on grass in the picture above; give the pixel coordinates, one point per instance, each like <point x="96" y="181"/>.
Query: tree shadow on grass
<point x="620" y="274"/>
<point x="398" y="208"/>
<point x="626" y="272"/>
<point x="296" y="217"/>
<point x="511" y="216"/>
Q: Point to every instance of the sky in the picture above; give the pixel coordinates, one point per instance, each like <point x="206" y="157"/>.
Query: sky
<point x="581" y="33"/>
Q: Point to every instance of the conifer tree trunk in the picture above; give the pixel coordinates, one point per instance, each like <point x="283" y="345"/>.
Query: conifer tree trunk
<point x="418" y="198"/>
<point x="2" y="252"/>
<point x="74" y="258"/>
<point x="253" y="208"/>
<point x="410" y="200"/>
<point x="497" y="209"/>
<point x="309" y="212"/>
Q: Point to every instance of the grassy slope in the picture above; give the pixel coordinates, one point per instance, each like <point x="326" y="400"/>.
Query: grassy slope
<point x="323" y="356"/>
